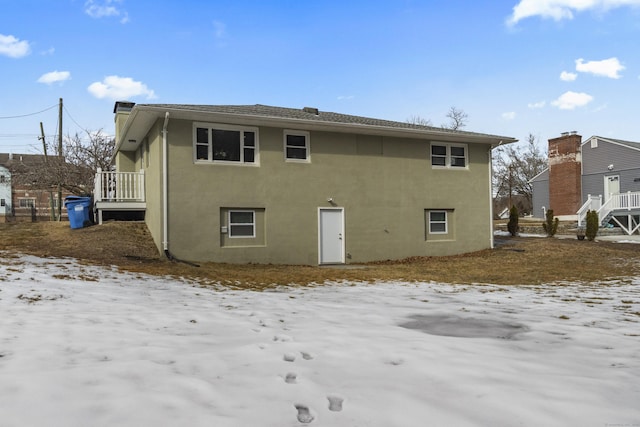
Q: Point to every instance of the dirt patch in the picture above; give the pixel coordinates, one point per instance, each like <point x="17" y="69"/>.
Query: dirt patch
<point x="129" y="246"/>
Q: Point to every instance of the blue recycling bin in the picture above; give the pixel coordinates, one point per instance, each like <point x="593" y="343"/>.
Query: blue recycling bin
<point x="78" y="210"/>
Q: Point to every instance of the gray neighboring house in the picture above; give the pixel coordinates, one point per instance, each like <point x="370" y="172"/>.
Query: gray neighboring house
<point x="608" y="180"/>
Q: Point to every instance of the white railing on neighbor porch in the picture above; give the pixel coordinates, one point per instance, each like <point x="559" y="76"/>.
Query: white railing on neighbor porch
<point x="593" y="203"/>
<point x="617" y="202"/>
<point x="119" y="186"/>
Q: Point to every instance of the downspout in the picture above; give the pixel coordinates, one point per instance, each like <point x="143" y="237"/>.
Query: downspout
<point x="165" y="192"/>
<point x="165" y="196"/>
<point x="491" y="238"/>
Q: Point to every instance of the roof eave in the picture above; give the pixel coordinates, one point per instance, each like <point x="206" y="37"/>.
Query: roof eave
<point x="296" y="123"/>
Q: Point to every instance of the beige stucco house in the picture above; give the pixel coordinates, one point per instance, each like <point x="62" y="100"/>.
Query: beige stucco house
<point x="262" y="184"/>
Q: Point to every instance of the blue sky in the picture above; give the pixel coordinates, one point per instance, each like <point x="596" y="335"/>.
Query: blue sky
<point x="514" y="66"/>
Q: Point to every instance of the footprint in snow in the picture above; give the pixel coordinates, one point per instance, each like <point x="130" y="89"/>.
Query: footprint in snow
<point x="306" y="356"/>
<point x="291" y="378"/>
<point x="335" y="402"/>
<point x="282" y="338"/>
<point x="304" y="415"/>
<point x="289" y="357"/>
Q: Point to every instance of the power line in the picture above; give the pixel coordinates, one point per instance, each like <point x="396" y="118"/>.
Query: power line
<point x="74" y="120"/>
<point x="30" y="114"/>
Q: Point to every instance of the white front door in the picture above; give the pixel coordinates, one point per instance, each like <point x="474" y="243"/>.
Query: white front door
<point x="331" y="235"/>
<point x="611" y="186"/>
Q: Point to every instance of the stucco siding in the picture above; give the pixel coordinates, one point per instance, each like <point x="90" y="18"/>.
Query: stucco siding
<point x="384" y="184"/>
<point x="153" y="183"/>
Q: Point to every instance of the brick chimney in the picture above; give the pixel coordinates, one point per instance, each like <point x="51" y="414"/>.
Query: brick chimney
<point x="565" y="174"/>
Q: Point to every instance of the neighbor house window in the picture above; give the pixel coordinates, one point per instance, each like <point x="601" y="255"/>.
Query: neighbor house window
<point x="449" y="155"/>
<point x="3" y="202"/>
<point x="296" y="146"/>
<point x="438" y="222"/>
<point x="242" y="223"/>
<point x="26" y="203"/>
<point x="2" y="179"/>
<point x="225" y="143"/>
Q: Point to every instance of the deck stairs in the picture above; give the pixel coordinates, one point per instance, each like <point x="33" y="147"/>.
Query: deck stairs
<point x="621" y="208"/>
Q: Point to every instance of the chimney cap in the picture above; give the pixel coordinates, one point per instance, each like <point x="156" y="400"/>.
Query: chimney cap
<point x="123" y="106"/>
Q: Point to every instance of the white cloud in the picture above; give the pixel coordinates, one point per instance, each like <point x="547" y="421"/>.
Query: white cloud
<point x="570" y="100"/>
<point x="54" y="76"/>
<point x="568" y="77"/>
<point x="562" y="9"/>
<point x="13" y="47"/>
<point x="345" y="97"/>
<point x="606" y="68"/>
<point x="120" y="88"/>
<point x="536" y="105"/>
<point x="49" y="51"/>
<point x="509" y="115"/>
<point x="105" y="9"/>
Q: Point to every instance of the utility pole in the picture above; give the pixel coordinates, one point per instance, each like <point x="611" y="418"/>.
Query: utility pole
<point x="46" y="161"/>
<point x="60" y="154"/>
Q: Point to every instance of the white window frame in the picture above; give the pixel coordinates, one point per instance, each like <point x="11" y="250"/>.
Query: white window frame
<point x="445" y="222"/>
<point x="307" y="145"/>
<point x="448" y="164"/>
<point x="232" y="224"/>
<point x="219" y="126"/>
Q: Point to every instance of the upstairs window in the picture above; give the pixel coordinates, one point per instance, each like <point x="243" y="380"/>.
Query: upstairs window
<point x="296" y="146"/>
<point x="452" y="156"/>
<point x="225" y="143"/>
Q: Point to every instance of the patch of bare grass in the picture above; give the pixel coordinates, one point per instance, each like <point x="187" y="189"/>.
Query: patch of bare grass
<point x="526" y="261"/>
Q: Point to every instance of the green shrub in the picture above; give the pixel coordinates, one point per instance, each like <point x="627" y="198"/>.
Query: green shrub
<point x="551" y="224"/>
<point x="514" y="217"/>
<point x="592" y="225"/>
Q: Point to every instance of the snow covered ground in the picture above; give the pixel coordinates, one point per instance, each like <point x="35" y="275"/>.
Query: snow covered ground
<point x="87" y="346"/>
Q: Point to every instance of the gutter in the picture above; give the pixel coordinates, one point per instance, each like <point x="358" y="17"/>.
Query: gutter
<point x="328" y="126"/>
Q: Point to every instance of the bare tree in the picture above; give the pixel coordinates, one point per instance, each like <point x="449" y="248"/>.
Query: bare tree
<point x="74" y="171"/>
<point x="514" y="167"/>
<point x="457" y="119"/>
<point x="420" y="121"/>
<point x="92" y="153"/>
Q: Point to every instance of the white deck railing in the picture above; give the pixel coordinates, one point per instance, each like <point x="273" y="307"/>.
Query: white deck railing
<point x="593" y="203"/>
<point x="616" y="202"/>
<point x="119" y="186"/>
<point x="620" y="202"/>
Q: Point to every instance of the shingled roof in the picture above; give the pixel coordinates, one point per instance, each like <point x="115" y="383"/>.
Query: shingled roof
<point x="306" y="114"/>
<point x="7" y="159"/>
<point x="630" y="144"/>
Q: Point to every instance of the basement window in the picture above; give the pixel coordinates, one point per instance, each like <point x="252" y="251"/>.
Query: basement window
<point x="437" y="222"/>
<point x="242" y="224"/>
<point x="439" y="225"/>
